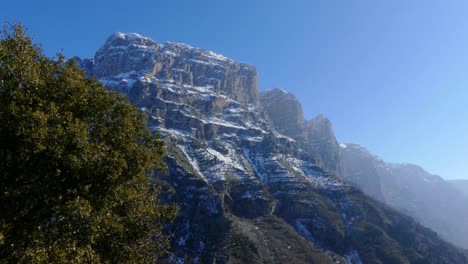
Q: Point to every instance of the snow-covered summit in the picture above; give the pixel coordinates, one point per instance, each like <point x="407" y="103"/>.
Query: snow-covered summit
<point x="278" y="90"/>
<point x="130" y="36"/>
<point x="125" y="53"/>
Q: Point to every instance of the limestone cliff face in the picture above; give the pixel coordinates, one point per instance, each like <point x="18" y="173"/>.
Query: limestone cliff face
<point x="316" y="135"/>
<point x="134" y="55"/>
<point x="318" y="132"/>
<point x="284" y="110"/>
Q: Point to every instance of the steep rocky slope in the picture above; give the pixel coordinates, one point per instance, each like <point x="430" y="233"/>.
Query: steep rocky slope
<point x="247" y="192"/>
<point x="359" y="169"/>
<point x="315" y="136"/>
<point x="284" y="110"/>
<point x="428" y="198"/>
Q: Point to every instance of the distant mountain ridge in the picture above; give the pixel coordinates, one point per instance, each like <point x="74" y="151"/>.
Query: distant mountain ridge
<point x="461" y="185"/>
<point x="436" y="203"/>
<point x="254" y="185"/>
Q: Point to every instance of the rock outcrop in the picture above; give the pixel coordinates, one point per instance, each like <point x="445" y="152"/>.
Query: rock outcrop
<point x="319" y="135"/>
<point x="127" y="55"/>
<point x="315" y="135"/>
<point x="284" y="111"/>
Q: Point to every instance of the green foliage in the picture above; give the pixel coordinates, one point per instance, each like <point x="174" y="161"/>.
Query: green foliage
<point x="75" y="161"/>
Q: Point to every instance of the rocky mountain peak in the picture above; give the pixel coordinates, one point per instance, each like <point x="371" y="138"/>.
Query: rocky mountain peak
<point x="247" y="193"/>
<point x="128" y="56"/>
<point x="284" y="110"/>
<point x="322" y="124"/>
<point x="120" y="39"/>
<point x="122" y="53"/>
<point x="318" y="132"/>
<point x="359" y="169"/>
<point x="358" y="149"/>
<point x="285" y="113"/>
<point x="320" y="128"/>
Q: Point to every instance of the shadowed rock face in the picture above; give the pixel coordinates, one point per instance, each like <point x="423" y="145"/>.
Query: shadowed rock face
<point x="132" y="54"/>
<point x="284" y="110"/>
<point x="318" y="133"/>
<point x="359" y="169"/>
<point x="248" y="193"/>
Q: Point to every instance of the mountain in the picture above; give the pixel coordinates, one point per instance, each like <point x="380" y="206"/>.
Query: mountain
<point x="315" y="136"/>
<point x="359" y="169"/>
<point x="428" y="198"/>
<point x="461" y="185"/>
<point x="254" y="185"/>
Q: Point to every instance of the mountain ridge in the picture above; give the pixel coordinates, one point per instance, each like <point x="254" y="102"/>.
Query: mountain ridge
<point x="246" y="191"/>
<point x="461" y="185"/>
<point x="408" y="187"/>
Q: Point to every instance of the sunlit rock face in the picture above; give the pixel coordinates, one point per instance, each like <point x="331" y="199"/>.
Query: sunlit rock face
<point x="133" y="55"/>
<point x="315" y="135"/>
<point x="250" y="185"/>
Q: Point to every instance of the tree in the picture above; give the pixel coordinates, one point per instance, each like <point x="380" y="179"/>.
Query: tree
<point x="75" y="161"/>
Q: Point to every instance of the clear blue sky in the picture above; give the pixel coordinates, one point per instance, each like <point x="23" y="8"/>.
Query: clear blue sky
<point x="391" y="75"/>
